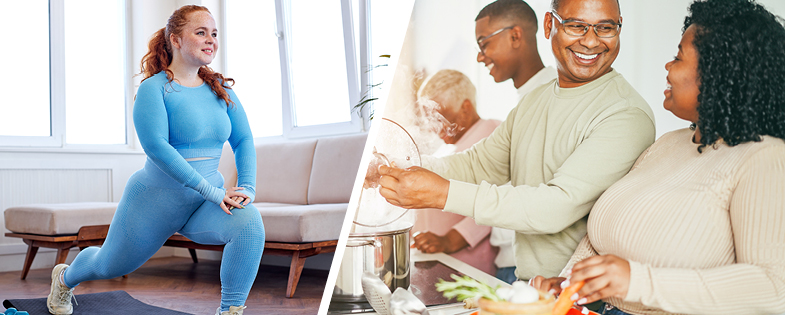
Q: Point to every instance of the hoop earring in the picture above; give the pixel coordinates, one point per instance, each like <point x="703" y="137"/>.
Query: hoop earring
<point x="693" y="126"/>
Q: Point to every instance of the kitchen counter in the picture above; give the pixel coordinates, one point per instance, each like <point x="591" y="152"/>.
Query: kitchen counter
<point x="453" y="307"/>
<point x="426" y="269"/>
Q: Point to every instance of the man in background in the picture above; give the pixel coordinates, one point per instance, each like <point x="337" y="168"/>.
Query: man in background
<point x="506" y="36"/>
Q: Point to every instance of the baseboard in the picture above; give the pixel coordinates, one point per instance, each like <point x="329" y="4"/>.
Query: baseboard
<point x="318" y="262"/>
<point x="14" y="249"/>
<point x="12" y="256"/>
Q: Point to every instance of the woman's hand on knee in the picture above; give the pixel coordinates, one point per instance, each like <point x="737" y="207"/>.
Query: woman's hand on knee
<point x="234" y="199"/>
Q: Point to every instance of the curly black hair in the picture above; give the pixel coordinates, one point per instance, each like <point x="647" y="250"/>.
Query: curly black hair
<point x="741" y="63"/>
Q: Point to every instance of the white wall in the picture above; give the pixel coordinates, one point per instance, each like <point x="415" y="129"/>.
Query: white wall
<point x="444" y="38"/>
<point x="650" y="36"/>
<point x="31" y="176"/>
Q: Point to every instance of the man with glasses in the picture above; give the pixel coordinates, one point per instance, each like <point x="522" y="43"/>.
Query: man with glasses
<point x="560" y="148"/>
<point x="506" y="38"/>
<point x="507" y="44"/>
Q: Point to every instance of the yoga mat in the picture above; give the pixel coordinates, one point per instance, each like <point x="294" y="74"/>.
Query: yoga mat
<point x="106" y="303"/>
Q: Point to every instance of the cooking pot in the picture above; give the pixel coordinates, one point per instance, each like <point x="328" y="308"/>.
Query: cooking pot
<point x="383" y="253"/>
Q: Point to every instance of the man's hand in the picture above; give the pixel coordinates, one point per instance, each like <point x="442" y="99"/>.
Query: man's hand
<point x="413" y="188"/>
<point x="428" y="242"/>
<point x="372" y="174"/>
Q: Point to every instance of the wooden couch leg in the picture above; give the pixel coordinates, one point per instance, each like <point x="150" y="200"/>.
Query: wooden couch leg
<point x="193" y="255"/>
<point x="295" y="270"/>
<point x="31" y="252"/>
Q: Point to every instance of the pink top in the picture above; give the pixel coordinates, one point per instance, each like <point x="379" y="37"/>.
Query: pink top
<point x="479" y="254"/>
<point x="480" y="130"/>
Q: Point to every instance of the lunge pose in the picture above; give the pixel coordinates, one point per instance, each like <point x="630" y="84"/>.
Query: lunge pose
<point x="183" y="114"/>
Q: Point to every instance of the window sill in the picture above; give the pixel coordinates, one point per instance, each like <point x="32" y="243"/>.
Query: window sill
<point x="80" y="149"/>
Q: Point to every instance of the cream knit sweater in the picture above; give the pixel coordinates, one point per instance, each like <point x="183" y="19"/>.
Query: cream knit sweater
<point x="704" y="232"/>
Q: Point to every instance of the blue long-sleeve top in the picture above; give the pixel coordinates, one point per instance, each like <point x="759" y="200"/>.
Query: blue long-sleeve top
<point x="176" y="122"/>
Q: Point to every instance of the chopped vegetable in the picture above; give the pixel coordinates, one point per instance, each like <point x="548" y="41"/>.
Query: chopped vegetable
<point x="564" y="303"/>
<point x="465" y="288"/>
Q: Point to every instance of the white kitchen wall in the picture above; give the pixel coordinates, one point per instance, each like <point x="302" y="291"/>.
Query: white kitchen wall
<point x="443" y="32"/>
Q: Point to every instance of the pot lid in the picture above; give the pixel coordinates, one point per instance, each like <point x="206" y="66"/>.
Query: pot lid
<point x="393" y="146"/>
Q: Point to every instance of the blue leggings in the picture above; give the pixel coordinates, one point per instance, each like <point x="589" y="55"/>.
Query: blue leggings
<point x="154" y="207"/>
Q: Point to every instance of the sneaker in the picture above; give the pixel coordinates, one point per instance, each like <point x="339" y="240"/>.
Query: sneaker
<point x="59" y="299"/>
<point x="233" y="310"/>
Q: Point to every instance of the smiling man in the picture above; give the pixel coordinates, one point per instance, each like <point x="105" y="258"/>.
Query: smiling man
<point x="560" y="148"/>
<point x="506" y="36"/>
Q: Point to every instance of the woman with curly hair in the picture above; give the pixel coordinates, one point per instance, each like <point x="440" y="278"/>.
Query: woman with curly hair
<point x="183" y="114"/>
<point x="698" y="224"/>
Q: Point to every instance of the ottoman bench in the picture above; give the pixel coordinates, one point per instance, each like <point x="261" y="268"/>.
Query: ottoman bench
<point x="60" y="226"/>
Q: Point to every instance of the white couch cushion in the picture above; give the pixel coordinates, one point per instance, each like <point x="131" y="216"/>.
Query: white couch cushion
<point x="335" y="164"/>
<point x="58" y="218"/>
<point x="283" y="171"/>
<point x="302" y="223"/>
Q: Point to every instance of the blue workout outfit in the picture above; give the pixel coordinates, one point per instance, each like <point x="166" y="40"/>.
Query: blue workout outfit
<point x="171" y="195"/>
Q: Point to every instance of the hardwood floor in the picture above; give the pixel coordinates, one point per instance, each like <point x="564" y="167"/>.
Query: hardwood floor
<point x="179" y="284"/>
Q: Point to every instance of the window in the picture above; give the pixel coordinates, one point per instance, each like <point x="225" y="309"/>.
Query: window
<point x="294" y="61"/>
<point x="95" y="74"/>
<point x="317" y="54"/>
<point x="25" y="109"/>
<point x="69" y="84"/>
<point x="253" y="59"/>
<point x="388" y="21"/>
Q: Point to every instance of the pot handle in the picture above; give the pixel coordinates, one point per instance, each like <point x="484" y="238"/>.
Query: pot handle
<point x="362" y="242"/>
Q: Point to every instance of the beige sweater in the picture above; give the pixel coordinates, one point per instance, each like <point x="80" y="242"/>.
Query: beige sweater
<point x="560" y="149"/>
<point x="704" y="233"/>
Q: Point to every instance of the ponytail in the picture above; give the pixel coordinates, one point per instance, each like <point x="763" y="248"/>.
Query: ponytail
<point x="158" y="56"/>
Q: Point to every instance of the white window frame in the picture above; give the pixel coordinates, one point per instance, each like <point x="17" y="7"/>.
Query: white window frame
<point x="290" y="130"/>
<point x="365" y="61"/>
<point x="57" y="105"/>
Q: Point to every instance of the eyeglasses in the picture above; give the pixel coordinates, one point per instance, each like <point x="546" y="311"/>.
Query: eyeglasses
<point x="484" y="38"/>
<point x="579" y="28"/>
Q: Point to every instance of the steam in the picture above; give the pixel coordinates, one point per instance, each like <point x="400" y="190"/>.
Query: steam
<point x="430" y="120"/>
<point x="419" y="117"/>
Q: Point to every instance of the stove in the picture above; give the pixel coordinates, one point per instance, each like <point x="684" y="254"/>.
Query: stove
<point x="424" y="276"/>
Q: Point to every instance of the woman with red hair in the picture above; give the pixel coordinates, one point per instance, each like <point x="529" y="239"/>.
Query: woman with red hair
<point x="183" y="113"/>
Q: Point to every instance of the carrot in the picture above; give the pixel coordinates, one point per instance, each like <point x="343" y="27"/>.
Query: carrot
<point x="563" y="303"/>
